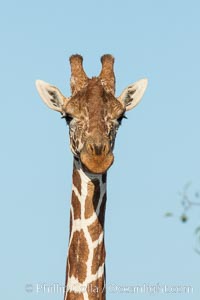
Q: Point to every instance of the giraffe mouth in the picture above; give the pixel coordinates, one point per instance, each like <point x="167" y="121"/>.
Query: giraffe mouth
<point x="97" y="164"/>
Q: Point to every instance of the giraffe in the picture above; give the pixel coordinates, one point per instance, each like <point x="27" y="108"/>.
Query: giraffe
<point x="93" y="114"/>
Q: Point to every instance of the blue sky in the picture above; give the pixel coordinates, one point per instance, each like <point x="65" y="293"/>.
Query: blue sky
<point x="156" y="153"/>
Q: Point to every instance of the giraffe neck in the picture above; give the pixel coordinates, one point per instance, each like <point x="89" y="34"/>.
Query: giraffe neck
<point x="85" y="278"/>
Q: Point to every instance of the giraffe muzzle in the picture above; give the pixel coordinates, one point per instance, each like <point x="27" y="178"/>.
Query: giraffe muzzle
<point x="97" y="155"/>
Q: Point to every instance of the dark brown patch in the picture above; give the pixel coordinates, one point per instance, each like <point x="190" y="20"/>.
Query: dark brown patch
<point x="77" y="180"/>
<point x="77" y="144"/>
<point x="96" y="197"/>
<point x="76" y="206"/>
<point x="96" y="289"/>
<point x="104" y="177"/>
<point x="75" y="296"/>
<point x="78" y="256"/>
<point x="101" y="216"/>
<point x="95" y="229"/>
<point x="99" y="255"/>
<point x="92" y="199"/>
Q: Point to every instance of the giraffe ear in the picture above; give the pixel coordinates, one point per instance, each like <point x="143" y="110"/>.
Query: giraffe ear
<point x="132" y="95"/>
<point x="51" y="95"/>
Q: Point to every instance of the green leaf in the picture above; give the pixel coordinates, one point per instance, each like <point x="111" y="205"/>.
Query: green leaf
<point x="168" y="214"/>
<point x="184" y="218"/>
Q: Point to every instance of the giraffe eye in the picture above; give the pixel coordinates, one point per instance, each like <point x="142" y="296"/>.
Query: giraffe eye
<point x="119" y="120"/>
<point x="68" y="118"/>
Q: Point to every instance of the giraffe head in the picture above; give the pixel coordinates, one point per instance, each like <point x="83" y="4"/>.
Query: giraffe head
<point x="93" y="112"/>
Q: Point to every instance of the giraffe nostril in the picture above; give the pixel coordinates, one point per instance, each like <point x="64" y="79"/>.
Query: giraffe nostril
<point x="90" y="148"/>
<point x="104" y="148"/>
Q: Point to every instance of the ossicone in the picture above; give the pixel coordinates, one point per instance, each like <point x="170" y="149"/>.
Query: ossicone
<point x="107" y="73"/>
<point x="79" y="78"/>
